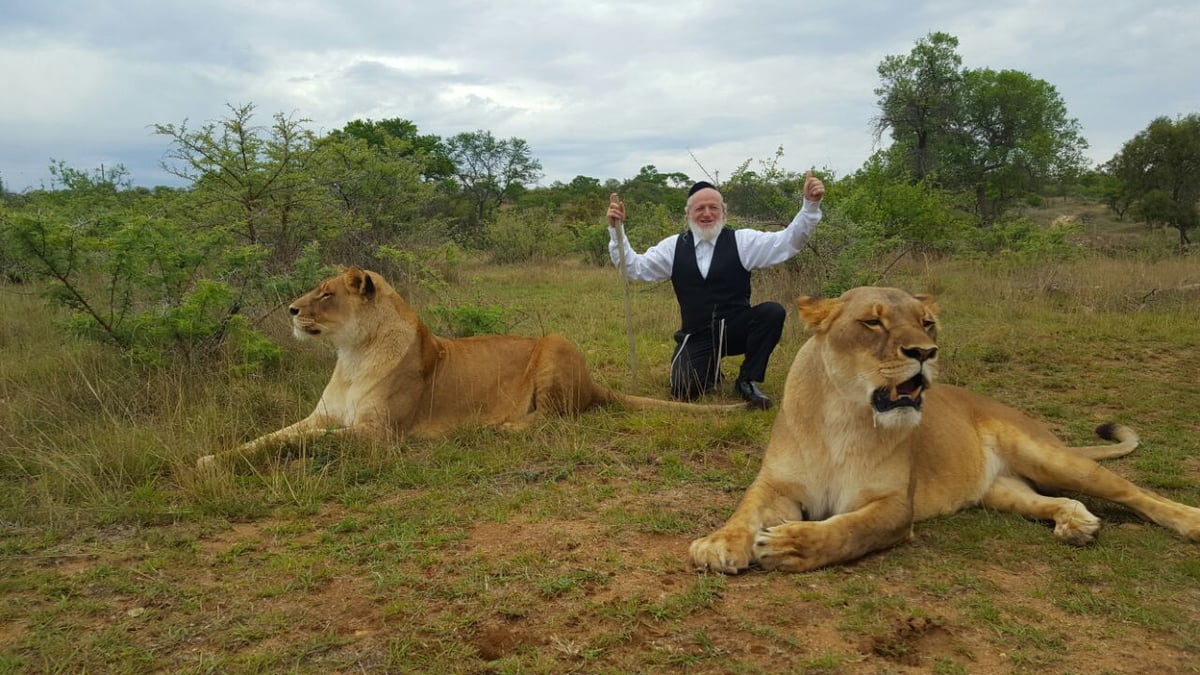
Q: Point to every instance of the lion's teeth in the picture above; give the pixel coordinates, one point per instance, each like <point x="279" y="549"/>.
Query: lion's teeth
<point x="894" y="394"/>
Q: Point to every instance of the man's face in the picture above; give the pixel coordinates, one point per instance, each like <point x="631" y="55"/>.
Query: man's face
<point x="706" y="210"/>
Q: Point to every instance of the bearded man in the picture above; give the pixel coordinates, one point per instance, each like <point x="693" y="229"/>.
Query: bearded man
<point x="709" y="267"/>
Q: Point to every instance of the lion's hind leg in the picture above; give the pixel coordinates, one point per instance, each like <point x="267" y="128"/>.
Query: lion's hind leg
<point x="1073" y="523"/>
<point x="561" y="381"/>
<point x="1060" y="469"/>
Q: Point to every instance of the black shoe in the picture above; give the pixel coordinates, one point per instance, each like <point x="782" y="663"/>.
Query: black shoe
<point x="755" y="399"/>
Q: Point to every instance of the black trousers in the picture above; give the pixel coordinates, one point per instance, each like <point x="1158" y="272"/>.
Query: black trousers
<point x="696" y="363"/>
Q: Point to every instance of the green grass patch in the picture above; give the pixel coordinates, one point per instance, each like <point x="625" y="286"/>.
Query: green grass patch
<point x="563" y="548"/>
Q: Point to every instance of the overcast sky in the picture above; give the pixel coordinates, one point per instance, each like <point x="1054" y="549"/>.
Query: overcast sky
<point x="597" y="88"/>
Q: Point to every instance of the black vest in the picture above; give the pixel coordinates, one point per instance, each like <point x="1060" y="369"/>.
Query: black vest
<point x="726" y="291"/>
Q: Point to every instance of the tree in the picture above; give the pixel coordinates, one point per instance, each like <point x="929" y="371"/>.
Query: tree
<point x="489" y="170"/>
<point x="770" y="195"/>
<point x="1012" y="136"/>
<point x="379" y="185"/>
<point x="132" y="269"/>
<point x="401" y="139"/>
<point x="919" y="100"/>
<point x="909" y="217"/>
<point x="996" y="134"/>
<point x="1160" y="171"/>
<point x="650" y="186"/>
<point x="256" y="182"/>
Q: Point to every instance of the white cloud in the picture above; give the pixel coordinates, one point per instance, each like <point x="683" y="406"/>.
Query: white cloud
<point x="598" y="88"/>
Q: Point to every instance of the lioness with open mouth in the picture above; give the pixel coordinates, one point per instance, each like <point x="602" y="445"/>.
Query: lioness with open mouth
<point x="865" y="444"/>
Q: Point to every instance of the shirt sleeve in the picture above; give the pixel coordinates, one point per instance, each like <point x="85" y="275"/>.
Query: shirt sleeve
<point x="653" y="265"/>
<point x="758" y="249"/>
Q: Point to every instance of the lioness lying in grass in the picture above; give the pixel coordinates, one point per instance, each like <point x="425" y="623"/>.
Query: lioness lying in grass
<point x="864" y="445"/>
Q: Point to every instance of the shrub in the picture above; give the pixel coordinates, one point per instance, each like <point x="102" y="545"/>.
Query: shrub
<point x="1023" y="239"/>
<point x="468" y="320"/>
<point x="523" y="235"/>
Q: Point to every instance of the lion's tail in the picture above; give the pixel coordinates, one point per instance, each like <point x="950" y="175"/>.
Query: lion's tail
<point x="1126" y="440"/>
<point x="606" y="396"/>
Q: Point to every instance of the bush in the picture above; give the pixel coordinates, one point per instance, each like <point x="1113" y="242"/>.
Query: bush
<point x="592" y="243"/>
<point x="468" y="320"/>
<point x="524" y="235"/>
<point x="1021" y="238"/>
<point x="146" y="283"/>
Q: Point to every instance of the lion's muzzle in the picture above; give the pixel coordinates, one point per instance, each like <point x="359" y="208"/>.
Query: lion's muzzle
<point x="908" y="394"/>
<point x="304" y="327"/>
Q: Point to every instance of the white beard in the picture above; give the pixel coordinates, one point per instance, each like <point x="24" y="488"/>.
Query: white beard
<point x="709" y="235"/>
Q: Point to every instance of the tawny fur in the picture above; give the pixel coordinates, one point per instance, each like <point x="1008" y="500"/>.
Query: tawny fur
<point x="395" y="378"/>
<point x="841" y="479"/>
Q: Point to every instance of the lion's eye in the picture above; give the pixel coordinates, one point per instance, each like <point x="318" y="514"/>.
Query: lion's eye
<point x="929" y="325"/>
<point x="872" y="323"/>
<point x="324" y="295"/>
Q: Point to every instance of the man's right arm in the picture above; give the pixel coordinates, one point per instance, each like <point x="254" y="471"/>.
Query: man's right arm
<point x="653" y="265"/>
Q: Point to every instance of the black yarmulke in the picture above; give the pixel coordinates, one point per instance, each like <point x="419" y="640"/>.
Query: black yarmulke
<point x="700" y="186"/>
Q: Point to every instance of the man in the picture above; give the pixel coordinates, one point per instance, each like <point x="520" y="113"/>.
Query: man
<point x="709" y="267"/>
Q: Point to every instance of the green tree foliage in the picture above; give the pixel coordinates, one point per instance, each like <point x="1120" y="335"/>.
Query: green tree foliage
<point x="650" y="186"/>
<point x="1158" y="173"/>
<point x="578" y="206"/>
<point x="1013" y="137"/>
<point x="527" y="234"/>
<point x="400" y="138"/>
<point x="999" y="135"/>
<point x="135" y="274"/>
<point x="581" y="201"/>
<point x="769" y="196"/>
<point x="909" y="217"/>
<point x="489" y="171"/>
<point x="919" y="98"/>
<point x="382" y="192"/>
<point x="256" y="183"/>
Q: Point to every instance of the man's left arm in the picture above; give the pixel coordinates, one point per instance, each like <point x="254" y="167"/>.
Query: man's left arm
<point x="763" y="249"/>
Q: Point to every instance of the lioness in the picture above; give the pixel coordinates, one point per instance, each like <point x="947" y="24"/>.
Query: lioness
<point x="864" y="445"/>
<point x="394" y="377"/>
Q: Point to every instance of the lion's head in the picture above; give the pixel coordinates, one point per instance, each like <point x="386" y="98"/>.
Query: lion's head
<point x="333" y="307"/>
<point x="879" y="348"/>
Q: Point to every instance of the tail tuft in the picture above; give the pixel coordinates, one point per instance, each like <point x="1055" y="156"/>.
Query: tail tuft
<point x="1107" y="431"/>
<point x="1117" y="433"/>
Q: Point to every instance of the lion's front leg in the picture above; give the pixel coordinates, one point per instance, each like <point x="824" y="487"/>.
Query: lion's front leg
<point x="730" y="549"/>
<point x="308" y="429"/>
<point x="801" y="546"/>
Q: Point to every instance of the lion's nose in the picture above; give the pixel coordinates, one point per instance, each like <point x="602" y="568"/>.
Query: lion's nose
<point x="921" y="354"/>
<point x="293" y="310"/>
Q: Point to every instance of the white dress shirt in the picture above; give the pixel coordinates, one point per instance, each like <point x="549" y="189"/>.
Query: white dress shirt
<point x="756" y="249"/>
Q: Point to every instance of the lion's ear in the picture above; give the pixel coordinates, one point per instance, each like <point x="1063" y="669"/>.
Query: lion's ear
<point x="818" y="312"/>
<point x="929" y="301"/>
<point x="359" y="281"/>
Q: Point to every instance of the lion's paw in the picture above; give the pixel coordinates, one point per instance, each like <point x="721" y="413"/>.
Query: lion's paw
<point x="721" y="551"/>
<point x="1074" y="524"/>
<point x="791" y="547"/>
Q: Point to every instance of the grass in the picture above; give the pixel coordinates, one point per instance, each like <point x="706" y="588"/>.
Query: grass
<point x="563" y="548"/>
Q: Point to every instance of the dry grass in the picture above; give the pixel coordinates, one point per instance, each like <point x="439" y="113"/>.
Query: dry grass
<point x="561" y="549"/>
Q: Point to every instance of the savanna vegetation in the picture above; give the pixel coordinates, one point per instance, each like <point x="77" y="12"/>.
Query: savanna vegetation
<point x="145" y="328"/>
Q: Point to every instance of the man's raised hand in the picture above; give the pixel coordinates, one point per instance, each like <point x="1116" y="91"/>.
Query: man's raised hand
<point x="814" y="189"/>
<point x="616" y="210"/>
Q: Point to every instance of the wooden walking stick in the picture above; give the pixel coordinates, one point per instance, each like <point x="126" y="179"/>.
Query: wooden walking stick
<point x="614" y="199"/>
